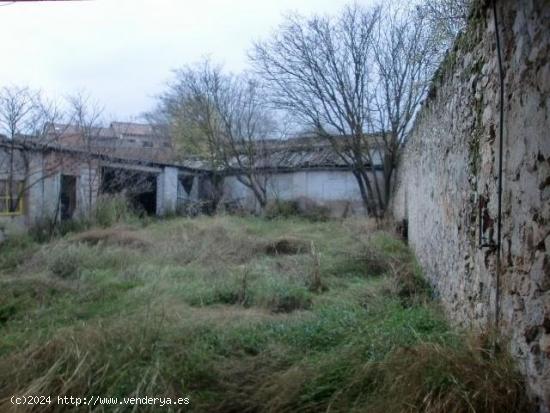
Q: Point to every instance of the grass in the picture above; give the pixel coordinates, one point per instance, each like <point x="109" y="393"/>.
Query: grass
<point x="241" y="315"/>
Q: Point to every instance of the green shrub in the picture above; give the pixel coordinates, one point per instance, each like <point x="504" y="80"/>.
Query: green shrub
<point x="316" y="213"/>
<point x="286" y="299"/>
<point x="15" y="249"/>
<point x="303" y="208"/>
<point x="46" y="229"/>
<point x="43" y="230"/>
<point x="110" y="209"/>
<point x="67" y="265"/>
<point x="22" y="295"/>
<point x="67" y="260"/>
<point x="281" y="209"/>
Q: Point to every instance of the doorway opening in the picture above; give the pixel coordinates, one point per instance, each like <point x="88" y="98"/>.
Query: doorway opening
<point x="140" y="188"/>
<point x="67" y="196"/>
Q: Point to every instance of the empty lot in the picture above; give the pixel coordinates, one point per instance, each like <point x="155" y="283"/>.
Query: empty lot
<point x="238" y="314"/>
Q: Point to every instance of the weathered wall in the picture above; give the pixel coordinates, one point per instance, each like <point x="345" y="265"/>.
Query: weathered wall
<point x="447" y="178"/>
<point x="88" y="181"/>
<point x="335" y="189"/>
<point x="167" y="191"/>
<point x="41" y="192"/>
<point x="46" y="192"/>
<point x="14" y="223"/>
<point x="41" y="171"/>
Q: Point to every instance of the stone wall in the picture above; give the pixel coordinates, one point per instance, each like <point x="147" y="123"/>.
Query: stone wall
<point x="446" y="185"/>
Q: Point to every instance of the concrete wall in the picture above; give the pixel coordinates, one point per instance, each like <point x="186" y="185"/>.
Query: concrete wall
<point x="12" y="223"/>
<point x="87" y="188"/>
<point x="39" y="188"/>
<point x="42" y="172"/>
<point x="447" y="181"/>
<point x="335" y="189"/>
<point x="167" y="191"/>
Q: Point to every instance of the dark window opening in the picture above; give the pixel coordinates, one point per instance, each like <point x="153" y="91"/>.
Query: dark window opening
<point x="187" y="183"/>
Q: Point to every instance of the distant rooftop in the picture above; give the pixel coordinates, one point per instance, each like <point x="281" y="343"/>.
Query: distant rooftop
<point x="133" y="129"/>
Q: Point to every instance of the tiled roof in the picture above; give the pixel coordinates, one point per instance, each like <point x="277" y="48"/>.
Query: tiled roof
<point x="304" y="152"/>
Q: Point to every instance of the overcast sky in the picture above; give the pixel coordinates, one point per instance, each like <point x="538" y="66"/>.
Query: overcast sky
<point x="122" y="51"/>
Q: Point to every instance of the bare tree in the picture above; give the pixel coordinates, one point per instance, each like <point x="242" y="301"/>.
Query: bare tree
<point x="223" y="118"/>
<point x="187" y="108"/>
<point x="406" y="53"/>
<point x="246" y="124"/>
<point x="357" y="80"/>
<point x="86" y="127"/>
<point x="446" y="17"/>
<point x="24" y="118"/>
<point x="321" y="69"/>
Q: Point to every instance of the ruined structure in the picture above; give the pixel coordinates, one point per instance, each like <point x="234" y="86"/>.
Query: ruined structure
<point x="63" y="178"/>
<point x="59" y="181"/>
<point x="447" y="187"/>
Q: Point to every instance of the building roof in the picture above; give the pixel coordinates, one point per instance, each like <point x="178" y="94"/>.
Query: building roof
<point x="156" y="158"/>
<point x="306" y="152"/>
<point x="130" y="142"/>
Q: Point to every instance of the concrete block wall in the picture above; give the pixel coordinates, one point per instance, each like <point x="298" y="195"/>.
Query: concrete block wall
<point x="447" y="182"/>
<point x="51" y="186"/>
<point x="335" y="189"/>
<point x="42" y="188"/>
<point x="36" y="189"/>
<point x="43" y="177"/>
<point x="87" y="189"/>
<point x="194" y="195"/>
<point x="167" y="191"/>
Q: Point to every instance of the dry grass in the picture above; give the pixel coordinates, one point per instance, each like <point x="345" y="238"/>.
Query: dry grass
<point x="210" y="245"/>
<point x="384" y="254"/>
<point x="287" y="245"/>
<point x="112" y="236"/>
<point x="243" y="315"/>
<point x="428" y="377"/>
<point x="433" y="378"/>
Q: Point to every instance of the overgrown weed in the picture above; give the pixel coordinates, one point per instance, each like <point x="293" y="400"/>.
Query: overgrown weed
<point x="241" y="314"/>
